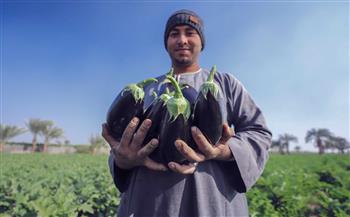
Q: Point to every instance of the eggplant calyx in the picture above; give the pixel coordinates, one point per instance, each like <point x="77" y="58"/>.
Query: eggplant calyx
<point x="178" y="104"/>
<point x="165" y="96"/>
<point x="209" y="85"/>
<point x="146" y="82"/>
<point x="136" y="91"/>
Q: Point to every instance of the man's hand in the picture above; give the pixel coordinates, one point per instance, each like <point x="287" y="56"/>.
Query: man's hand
<point x="129" y="152"/>
<point x="220" y="151"/>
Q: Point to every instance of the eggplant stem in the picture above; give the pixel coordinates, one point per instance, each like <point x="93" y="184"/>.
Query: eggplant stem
<point x="171" y="72"/>
<point x="212" y="73"/>
<point x="178" y="93"/>
<point x="167" y="91"/>
<point x="146" y="82"/>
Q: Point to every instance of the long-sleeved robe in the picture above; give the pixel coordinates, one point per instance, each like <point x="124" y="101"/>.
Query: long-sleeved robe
<point x="216" y="188"/>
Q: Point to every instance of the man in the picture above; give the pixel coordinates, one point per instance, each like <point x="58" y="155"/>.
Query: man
<point x="215" y="183"/>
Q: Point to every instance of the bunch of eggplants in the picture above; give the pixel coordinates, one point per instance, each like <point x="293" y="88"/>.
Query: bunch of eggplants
<point x="164" y="128"/>
<point x="172" y="113"/>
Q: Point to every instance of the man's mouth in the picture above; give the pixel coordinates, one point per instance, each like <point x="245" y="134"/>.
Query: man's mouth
<point x="180" y="49"/>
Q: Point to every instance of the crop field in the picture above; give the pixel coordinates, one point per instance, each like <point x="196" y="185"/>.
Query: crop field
<point x="80" y="185"/>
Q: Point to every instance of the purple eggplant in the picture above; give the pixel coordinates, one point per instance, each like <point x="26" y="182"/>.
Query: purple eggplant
<point x="174" y="125"/>
<point x="128" y="104"/>
<point x="156" y="114"/>
<point x="207" y="115"/>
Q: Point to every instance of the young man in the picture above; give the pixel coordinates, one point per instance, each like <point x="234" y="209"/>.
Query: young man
<point x="215" y="183"/>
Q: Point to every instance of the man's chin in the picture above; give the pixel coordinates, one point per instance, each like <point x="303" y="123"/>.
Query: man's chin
<point x="184" y="61"/>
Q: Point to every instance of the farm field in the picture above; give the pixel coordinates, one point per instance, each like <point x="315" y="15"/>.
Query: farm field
<point x="80" y="185"/>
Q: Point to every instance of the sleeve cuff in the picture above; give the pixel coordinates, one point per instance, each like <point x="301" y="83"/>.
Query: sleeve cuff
<point x="245" y="163"/>
<point x="121" y="177"/>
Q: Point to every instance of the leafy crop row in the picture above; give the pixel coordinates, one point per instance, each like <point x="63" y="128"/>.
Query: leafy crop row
<point x="80" y="185"/>
<point x="56" y="185"/>
<point x="303" y="185"/>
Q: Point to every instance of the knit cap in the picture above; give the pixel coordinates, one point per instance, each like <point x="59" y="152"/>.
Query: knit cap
<point x="184" y="17"/>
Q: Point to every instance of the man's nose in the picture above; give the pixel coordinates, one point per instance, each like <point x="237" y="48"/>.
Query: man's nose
<point x="182" y="39"/>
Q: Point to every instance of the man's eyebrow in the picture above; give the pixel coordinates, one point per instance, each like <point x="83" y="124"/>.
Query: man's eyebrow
<point x="189" y="29"/>
<point x="175" y="29"/>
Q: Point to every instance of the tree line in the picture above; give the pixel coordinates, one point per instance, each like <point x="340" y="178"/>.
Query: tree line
<point x="322" y="139"/>
<point x="47" y="130"/>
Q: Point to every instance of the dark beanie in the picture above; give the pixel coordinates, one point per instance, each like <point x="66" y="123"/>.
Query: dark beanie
<point x="184" y="17"/>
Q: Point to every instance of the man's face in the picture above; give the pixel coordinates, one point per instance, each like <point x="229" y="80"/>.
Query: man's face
<point x="184" y="45"/>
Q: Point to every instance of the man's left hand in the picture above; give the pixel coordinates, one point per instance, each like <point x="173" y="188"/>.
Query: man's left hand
<point x="220" y="151"/>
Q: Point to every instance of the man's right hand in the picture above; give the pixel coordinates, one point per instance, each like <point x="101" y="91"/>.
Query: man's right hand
<point x="129" y="152"/>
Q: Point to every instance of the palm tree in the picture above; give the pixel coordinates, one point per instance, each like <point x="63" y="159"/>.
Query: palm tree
<point x="277" y="144"/>
<point x="7" y="132"/>
<point x="96" y="142"/>
<point x="319" y="137"/>
<point x="285" y="139"/>
<point x="35" y="126"/>
<point x="340" y="143"/>
<point x="50" y="132"/>
<point x="330" y="144"/>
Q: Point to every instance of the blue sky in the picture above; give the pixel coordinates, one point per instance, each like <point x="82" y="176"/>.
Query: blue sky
<point x="66" y="60"/>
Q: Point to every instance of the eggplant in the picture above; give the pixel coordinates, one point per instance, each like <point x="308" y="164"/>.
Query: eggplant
<point x="207" y="114"/>
<point x="127" y="104"/>
<point x="174" y="125"/>
<point x="156" y="114"/>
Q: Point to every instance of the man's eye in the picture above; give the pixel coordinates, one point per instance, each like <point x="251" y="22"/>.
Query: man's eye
<point x="173" y="34"/>
<point x="191" y="33"/>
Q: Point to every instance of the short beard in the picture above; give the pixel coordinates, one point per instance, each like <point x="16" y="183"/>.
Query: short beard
<point x="182" y="62"/>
